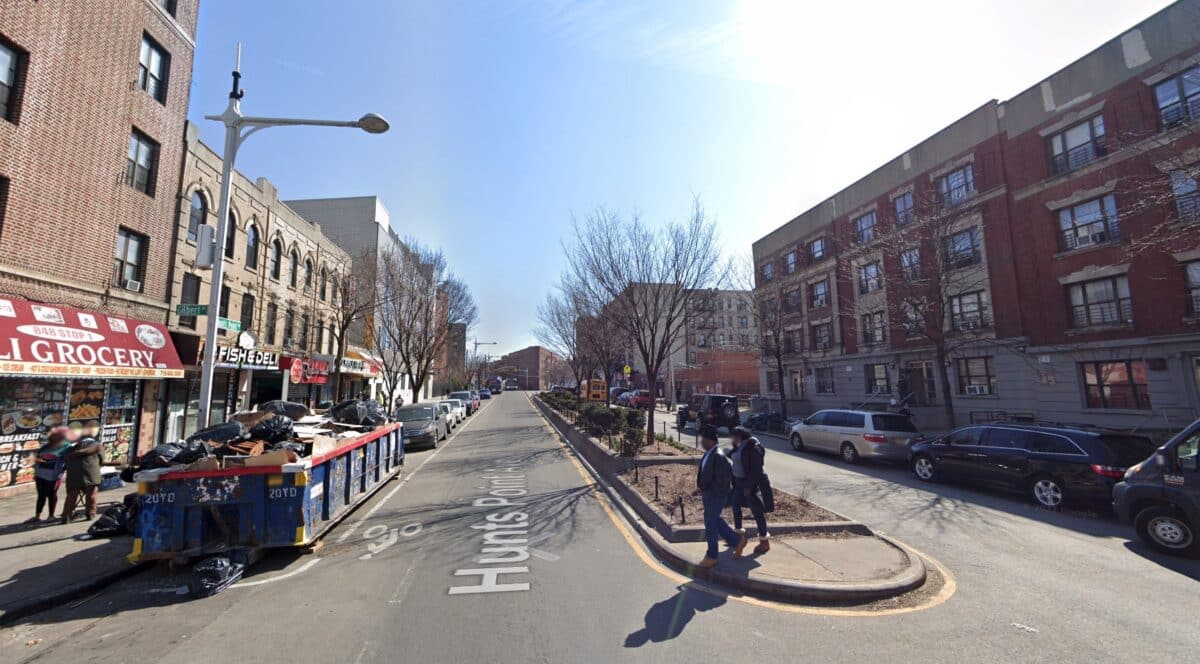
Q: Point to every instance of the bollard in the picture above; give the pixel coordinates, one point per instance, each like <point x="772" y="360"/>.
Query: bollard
<point x="682" y="516"/>
<point x="635" y="474"/>
<point x="656" y="487"/>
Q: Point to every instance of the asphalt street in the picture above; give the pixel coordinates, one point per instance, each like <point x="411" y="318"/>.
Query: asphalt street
<point x="495" y="548"/>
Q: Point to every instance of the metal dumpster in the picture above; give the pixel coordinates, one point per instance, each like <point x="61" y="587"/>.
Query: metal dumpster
<point x="186" y="514"/>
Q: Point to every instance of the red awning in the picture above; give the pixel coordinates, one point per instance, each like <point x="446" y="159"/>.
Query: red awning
<point x="53" y="340"/>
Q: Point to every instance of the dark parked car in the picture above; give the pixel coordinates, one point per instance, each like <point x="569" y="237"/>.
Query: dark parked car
<point x="719" y="410"/>
<point x="485" y="393"/>
<point x="470" y="402"/>
<point x="1052" y="465"/>
<point x="1161" y="496"/>
<point x="423" y="424"/>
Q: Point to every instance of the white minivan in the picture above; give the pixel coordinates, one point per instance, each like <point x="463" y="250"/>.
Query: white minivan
<point x="856" y="434"/>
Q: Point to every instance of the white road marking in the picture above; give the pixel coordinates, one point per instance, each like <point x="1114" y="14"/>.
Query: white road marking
<point x="299" y="570"/>
<point x="544" y="555"/>
<point x="410" y="529"/>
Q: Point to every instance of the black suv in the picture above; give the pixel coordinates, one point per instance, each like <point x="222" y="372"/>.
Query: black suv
<point x="1161" y="495"/>
<point x="719" y="410"/>
<point x="1052" y="465"/>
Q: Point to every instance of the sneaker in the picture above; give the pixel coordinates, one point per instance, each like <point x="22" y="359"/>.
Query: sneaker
<point x="36" y="519"/>
<point x="707" y="563"/>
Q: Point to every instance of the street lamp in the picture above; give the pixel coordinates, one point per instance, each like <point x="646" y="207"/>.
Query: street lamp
<point x="235" y="123"/>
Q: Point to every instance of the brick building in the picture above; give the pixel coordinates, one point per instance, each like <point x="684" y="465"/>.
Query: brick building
<point x="530" y="366"/>
<point x="93" y="100"/>
<point x="1066" y="255"/>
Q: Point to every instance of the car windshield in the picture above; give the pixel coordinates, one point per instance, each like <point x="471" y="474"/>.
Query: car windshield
<point x="461" y="395"/>
<point x="414" y="413"/>
<point x="1124" y="451"/>
<point x="893" y="423"/>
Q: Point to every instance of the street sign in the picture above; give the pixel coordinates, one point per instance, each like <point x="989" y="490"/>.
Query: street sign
<point x="628" y="369"/>
<point x="191" y="309"/>
<point x="231" y="325"/>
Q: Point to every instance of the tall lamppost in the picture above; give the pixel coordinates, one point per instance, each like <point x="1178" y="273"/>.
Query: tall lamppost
<point x="238" y="127"/>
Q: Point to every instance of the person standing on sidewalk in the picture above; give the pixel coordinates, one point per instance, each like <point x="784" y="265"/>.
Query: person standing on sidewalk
<point x="83" y="474"/>
<point x="714" y="480"/>
<point x="47" y="474"/>
<point x="747" y="460"/>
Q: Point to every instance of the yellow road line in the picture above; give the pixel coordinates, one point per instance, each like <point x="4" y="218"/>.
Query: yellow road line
<point x="948" y="584"/>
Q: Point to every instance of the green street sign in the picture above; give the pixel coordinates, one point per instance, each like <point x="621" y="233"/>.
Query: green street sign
<point x="231" y="325"/>
<point x="191" y="309"/>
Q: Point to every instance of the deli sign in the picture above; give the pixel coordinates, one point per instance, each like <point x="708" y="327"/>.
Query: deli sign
<point x="246" y="358"/>
<point x="52" y="340"/>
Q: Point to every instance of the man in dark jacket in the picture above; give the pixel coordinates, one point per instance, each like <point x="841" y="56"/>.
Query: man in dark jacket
<point x="747" y="459"/>
<point x="714" y="481"/>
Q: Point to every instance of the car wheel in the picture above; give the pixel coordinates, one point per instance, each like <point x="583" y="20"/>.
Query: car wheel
<point x="1047" y="492"/>
<point x="923" y="468"/>
<point x="797" y="443"/>
<point x="849" y="453"/>
<point x="1166" y="530"/>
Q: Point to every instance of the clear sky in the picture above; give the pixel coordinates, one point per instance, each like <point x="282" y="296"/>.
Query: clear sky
<point x="509" y="117"/>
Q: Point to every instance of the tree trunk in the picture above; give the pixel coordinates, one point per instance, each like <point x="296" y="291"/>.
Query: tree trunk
<point x="939" y="355"/>
<point x="782" y="392"/>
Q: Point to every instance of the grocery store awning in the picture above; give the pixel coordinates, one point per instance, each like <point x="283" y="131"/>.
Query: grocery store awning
<point x="53" y="340"/>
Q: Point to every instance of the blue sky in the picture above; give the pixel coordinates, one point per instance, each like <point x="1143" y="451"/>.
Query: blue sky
<point x="509" y="118"/>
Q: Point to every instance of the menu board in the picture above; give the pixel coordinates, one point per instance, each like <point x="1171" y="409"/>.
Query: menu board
<point x="27" y="410"/>
<point x="86" y="405"/>
<point x="115" y="441"/>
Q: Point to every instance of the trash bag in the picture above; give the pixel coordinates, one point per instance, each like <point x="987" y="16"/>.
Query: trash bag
<point x="274" y="429"/>
<point x="376" y="415"/>
<point x="220" y="433"/>
<point x="192" y="451"/>
<point x="214" y="575"/>
<point x="127" y="474"/>
<point x="291" y="446"/>
<point x="113" y="522"/>
<point x="350" y="411"/>
<point x="160" y="457"/>
<point x="290" y="408"/>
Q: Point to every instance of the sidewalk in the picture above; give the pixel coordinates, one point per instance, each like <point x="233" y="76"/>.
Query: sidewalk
<point x="49" y="563"/>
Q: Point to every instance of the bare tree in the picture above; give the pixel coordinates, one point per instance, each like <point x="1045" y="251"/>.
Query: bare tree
<point x="645" y="276"/>
<point x="354" y="303"/>
<point x="558" y="318"/>
<point x="601" y="344"/>
<point x="768" y="307"/>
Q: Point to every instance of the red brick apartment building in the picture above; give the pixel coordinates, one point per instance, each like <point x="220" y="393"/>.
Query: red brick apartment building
<point x="1062" y="230"/>
<point x="93" y="100"/>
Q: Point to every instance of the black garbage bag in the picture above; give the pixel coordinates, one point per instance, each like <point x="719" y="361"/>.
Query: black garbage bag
<point x="192" y="451"/>
<point x="160" y="457"/>
<point x="127" y="474"/>
<point x="214" y="575"/>
<point x="364" y="413"/>
<point x="290" y="408"/>
<point x="220" y="433"/>
<point x="113" y="522"/>
<point x="291" y="446"/>
<point x="376" y="416"/>
<point x="274" y="429"/>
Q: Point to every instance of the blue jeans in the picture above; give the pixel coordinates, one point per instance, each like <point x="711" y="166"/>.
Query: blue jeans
<point x="738" y="500"/>
<point x="715" y="526"/>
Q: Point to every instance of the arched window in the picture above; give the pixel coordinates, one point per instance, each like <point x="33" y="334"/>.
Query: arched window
<point x="323" y="289"/>
<point x="230" y="236"/>
<point x="293" y="268"/>
<point x="276" y="258"/>
<point x="307" y="275"/>
<point x="197" y="217"/>
<point x="252" y="247"/>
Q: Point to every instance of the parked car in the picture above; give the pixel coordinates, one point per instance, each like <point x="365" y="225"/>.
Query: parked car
<point x="423" y="425"/>
<point x="485" y="394"/>
<point x="447" y="409"/>
<point x="771" y="422"/>
<point x="460" y="409"/>
<point x="614" y="393"/>
<point x="475" y="399"/>
<point x="623" y="398"/>
<point x="467" y="400"/>
<point x="639" y="399"/>
<point x="856" y="434"/>
<point x="1052" y="465"/>
<point x="1160" y="496"/>
<point x="719" y="410"/>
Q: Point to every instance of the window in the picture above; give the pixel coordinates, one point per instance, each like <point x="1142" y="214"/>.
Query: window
<point x="793" y="341"/>
<point x="962" y="248"/>
<point x="914" y="321"/>
<point x="252" y="247"/>
<point x="320" y="336"/>
<point x="874" y="327"/>
<point x="141" y="168"/>
<point x="816" y="249"/>
<point x="910" y="263"/>
<point x="1192" y="273"/>
<point x="956" y="186"/>
<point x="1003" y="437"/>
<point x="870" y="278"/>
<point x="1179" y="98"/>
<point x="822" y="336"/>
<point x="864" y="228"/>
<point x="1187" y="197"/>
<point x="272" y="316"/>
<point x="876" y="379"/>
<point x="223" y="308"/>
<point x="168" y="6"/>
<point x="308" y="276"/>
<point x="189" y="295"/>
<point x="903" y="205"/>
<point x="197" y="217"/>
<point x="1088" y="223"/>
<point x="275" y="259"/>
<point x="968" y="436"/>
<point x="289" y="327"/>
<point x="1116" y="384"/>
<point x="790" y="262"/>
<point x="768" y="271"/>
<point x="824" y="377"/>
<point x="304" y="332"/>
<point x="968" y="311"/>
<point x="1101" y="302"/>
<point x="247" y="318"/>
<point x="154" y="64"/>
<point x="818" y="294"/>
<point x="293" y="268"/>
<point x="743" y="322"/>
<point x="230" y="236"/>
<point x="130" y="259"/>
<point x="11" y="70"/>
<point x="323" y="285"/>
<point x="3" y="200"/>
<point x="791" y="302"/>
<point x="976" y="376"/>
<point x="1048" y="443"/>
<point x="744" y="340"/>
<point x="1077" y="146"/>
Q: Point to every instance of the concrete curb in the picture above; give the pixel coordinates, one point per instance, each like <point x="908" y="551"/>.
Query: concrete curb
<point x="777" y="589"/>
<point x="57" y="596"/>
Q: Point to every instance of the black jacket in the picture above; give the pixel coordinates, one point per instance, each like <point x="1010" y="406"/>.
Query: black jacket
<point x="715" y="478"/>
<point x="752" y="460"/>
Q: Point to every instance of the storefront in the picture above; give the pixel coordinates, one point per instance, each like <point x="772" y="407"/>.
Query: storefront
<point x="357" y="374"/>
<point x="306" y="380"/>
<point x="241" y="378"/>
<point x="60" y="365"/>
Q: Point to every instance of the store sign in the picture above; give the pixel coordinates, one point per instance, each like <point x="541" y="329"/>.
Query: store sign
<point x="230" y="357"/>
<point x="354" y="366"/>
<point x="46" y="340"/>
<point x="312" y="370"/>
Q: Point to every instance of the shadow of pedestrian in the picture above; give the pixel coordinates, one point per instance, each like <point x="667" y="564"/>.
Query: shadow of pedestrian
<point x="667" y="619"/>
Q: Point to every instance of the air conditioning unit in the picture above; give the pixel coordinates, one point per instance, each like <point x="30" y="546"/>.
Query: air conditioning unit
<point x="978" y="390"/>
<point x="135" y="286"/>
<point x="289" y="341"/>
<point x="1090" y="239"/>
